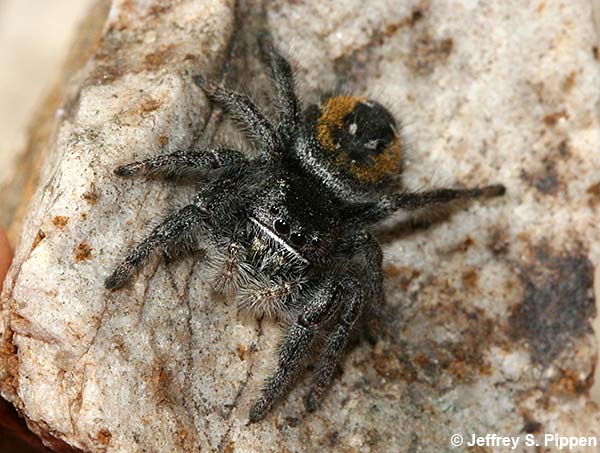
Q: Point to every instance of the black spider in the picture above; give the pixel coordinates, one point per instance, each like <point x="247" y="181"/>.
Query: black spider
<point x="288" y="230"/>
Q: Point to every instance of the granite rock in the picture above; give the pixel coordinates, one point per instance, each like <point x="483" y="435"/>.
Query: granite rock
<point x="488" y="326"/>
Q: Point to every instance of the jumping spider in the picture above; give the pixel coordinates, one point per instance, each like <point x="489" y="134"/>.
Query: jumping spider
<point x="288" y="230"/>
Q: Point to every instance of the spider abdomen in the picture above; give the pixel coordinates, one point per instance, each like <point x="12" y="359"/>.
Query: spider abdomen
<point x="360" y="137"/>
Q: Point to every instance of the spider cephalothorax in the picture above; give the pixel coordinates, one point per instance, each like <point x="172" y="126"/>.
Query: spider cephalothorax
<point x="287" y="231"/>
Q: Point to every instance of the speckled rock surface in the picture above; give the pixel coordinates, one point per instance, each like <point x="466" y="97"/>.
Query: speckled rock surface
<point x="489" y="321"/>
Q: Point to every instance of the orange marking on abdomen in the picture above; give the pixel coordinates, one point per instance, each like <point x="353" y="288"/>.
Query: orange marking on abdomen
<point x="333" y="112"/>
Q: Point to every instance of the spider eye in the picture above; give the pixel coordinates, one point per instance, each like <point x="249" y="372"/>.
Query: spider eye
<point x="275" y="210"/>
<point x="281" y="227"/>
<point x="297" y="239"/>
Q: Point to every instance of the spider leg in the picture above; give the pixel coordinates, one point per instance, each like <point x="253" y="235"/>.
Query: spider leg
<point x="228" y="269"/>
<point x="296" y="345"/>
<point x="243" y="109"/>
<point x="364" y="246"/>
<point x="282" y="76"/>
<point x="167" y="237"/>
<point x="182" y="164"/>
<point x="351" y="301"/>
<point x="411" y="201"/>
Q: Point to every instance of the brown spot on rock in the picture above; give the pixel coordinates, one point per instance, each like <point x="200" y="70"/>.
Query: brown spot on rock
<point x="157" y="58"/>
<point x="292" y="422"/>
<point x="38" y="238"/>
<point x="83" y="252"/>
<point x="563" y="149"/>
<point x="416" y="16"/>
<point x="594" y="194"/>
<point x="400" y="276"/>
<point x="163" y="140"/>
<point x="10" y="361"/>
<point x="332" y="438"/>
<point x="104" y="436"/>
<point x="158" y="10"/>
<point x="470" y="278"/>
<point x="60" y="221"/>
<point x="105" y="74"/>
<point x="427" y="53"/>
<point x="424" y="363"/>
<point x="8" y="346"/>
<point x="569" y="383"/>
<point x="242" y="351"/>
<point x="569" y="81"/>
<point x="393" y="364"/>
<point x="468" y="355"/>
<point x="463" y="359"/>
<point x="558" y="302"/>
<point x="499" y="241"/>
<point x="596" y="52"/>
<point x="190" y="57"/>
<point x="91" y="196"/>
<point x="552" y="118"/>
<point x="463" y="246"/>
<point x="230" y="447"/>
<point x="379" y="37"/>
<point x="466" y="244"/>
<point x="149" y="105"/>
<point x="183" y="434"/>
<point x="160" y="380"/>
<point x="357" y="64"/>
<point x="532" y="427"/>
<point x="372" y="437"/>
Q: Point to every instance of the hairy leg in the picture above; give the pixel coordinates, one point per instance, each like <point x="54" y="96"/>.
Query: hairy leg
<point x="296" y="345"/>
<point x="182" y="164"/>
<point x="282" y="76"/>
<point x="364" y="246"/>
<point x="388" y="204"/>
<point x="166" y="238"/>
<point x="228" y="269"/>
<point x="351" y="302"/>
<point x="243" y="109"/>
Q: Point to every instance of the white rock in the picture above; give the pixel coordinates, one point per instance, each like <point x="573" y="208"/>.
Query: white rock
<point x="489" y="92"/>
